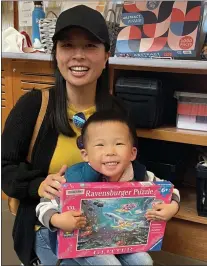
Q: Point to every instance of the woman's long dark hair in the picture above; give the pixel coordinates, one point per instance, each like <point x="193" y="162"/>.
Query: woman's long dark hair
<point x="59" y="104"/>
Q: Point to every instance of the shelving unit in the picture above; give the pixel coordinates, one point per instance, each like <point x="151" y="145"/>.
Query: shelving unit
<point x="186" y="233"/>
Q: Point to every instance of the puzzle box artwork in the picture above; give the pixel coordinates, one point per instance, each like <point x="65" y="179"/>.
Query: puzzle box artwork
<point x="159" y="29"/>
<point x="115" y="215"/>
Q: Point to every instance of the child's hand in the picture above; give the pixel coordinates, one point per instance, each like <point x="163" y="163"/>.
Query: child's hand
<point x="68" y="221"/>
<point x="162" y="211"/>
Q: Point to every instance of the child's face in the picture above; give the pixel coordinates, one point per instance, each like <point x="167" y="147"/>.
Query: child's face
<point x="109" y="148"/>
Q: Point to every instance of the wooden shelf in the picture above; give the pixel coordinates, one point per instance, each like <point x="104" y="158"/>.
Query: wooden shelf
<point x="188" y="209"/>
<point x="159" y="65"/>
<point x="175" y="135"/>
<point x="155" y="65"/>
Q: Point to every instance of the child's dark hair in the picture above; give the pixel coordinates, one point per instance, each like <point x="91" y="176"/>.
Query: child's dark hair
<point x="110" y="116"/>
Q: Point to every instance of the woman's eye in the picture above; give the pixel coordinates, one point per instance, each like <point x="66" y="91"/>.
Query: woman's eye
<point x="67" y="45"/>
<point x="91" y="45"/>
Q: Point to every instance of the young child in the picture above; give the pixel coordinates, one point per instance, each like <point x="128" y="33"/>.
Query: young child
<point x="109" y="154"/>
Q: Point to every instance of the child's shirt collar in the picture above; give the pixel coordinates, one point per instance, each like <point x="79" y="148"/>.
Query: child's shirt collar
<point x="127" y="176"/>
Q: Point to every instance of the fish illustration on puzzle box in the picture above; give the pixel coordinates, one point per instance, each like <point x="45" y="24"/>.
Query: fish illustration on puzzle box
<point x="123" y="223"/>
<point x="126" y="208"/>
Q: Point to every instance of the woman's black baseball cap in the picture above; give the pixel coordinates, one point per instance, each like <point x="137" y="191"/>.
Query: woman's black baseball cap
<point x="85" y="18"/>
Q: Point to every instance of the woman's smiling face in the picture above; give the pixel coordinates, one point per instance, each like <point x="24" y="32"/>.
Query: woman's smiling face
<point x="81" y="58"/>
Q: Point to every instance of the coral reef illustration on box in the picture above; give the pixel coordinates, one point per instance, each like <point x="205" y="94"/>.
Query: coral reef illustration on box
<point x="116" y="221"/>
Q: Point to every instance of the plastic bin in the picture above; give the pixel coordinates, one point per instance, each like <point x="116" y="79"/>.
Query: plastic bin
<point x="191" y="110"/>
<point x="201" y="188"/>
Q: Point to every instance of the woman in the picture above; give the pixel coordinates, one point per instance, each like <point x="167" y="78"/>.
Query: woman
<point x="81" y="52"/>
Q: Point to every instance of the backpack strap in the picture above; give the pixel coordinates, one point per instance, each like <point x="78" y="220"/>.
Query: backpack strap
<point x="41" y="115"/>
<point x="13" y="203"/>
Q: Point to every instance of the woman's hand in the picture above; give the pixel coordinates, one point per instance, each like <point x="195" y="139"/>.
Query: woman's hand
<point x="162" y="211"/>
<point x="68" y="221"/>
<point x="49" y="188"/>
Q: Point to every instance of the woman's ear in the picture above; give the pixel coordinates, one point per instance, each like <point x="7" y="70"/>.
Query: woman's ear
<point x="84" y="155"/>
<point x="133" y="154"/>
<point x="107" y="55"/>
